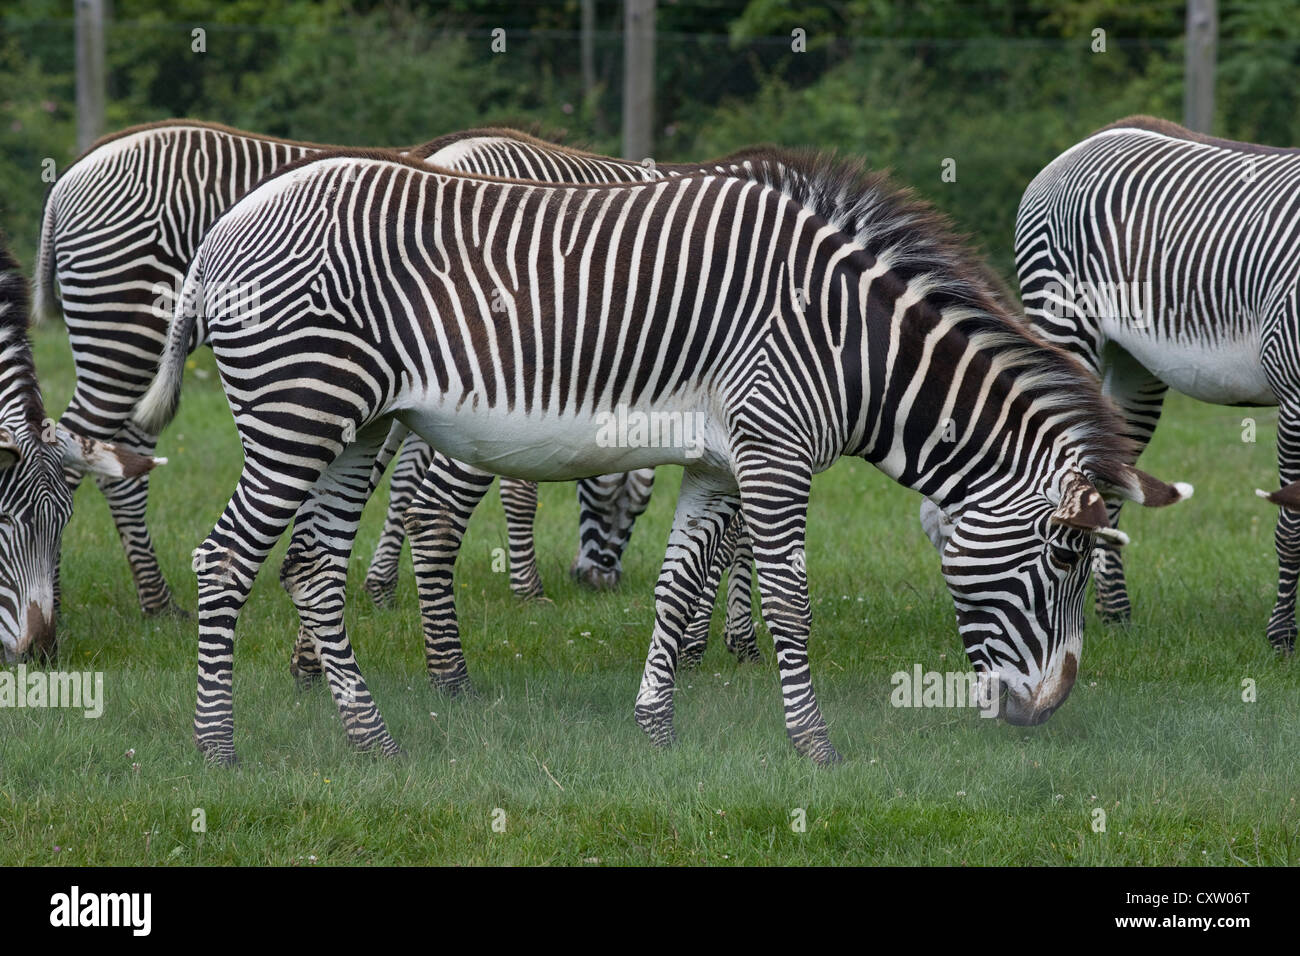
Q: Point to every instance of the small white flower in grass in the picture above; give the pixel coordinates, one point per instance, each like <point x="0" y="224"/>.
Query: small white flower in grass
<point x="570" y="640"/>
<point x="312" y="858"/>
<point x="1092" y="683"/>
<point x="433" y="714"/>
<point x="518" y="656"/>
<point x="1059" y="796"/>
<point x="585" y="634"/>
<point x="135" y="768"/>
<point x="961" y="793"/>
<point x="872" y="760"/>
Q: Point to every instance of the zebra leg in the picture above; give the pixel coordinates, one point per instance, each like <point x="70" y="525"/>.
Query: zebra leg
<point x="1286" y="537"/>
<point x="696" y="639"/>
<point x="740" y="637"/>
<point x="595" y="564"/>
<point x="774" y="501"/>
<point x="519" y="499"/>
<point x="128" y="499"/>
<point x="381" y="578"/>
<point x="315" y="574"/>
<point x="304" y="663"/>
<point x="703" y="510"/>
<point x="435" y="522"/>
<point x="1139" y="396"/>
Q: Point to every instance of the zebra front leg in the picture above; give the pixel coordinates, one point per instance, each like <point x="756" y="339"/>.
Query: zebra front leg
<point x="412" y="464"/>
<point x="519" y="499"/>
<point x="314" y="574"/>
<point x="128" y="501"/>
<point x="435" y="522"/>
<point x="704" y="507"/>
<point x="774" y="501"/>
<point x="740" y="637"/>
<point x="1109" y="583"/>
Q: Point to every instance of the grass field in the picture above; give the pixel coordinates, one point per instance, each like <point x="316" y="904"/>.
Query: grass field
<point x="1156" y="732"/>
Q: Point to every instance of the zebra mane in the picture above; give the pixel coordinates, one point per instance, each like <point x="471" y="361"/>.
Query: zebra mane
<point x="13" y="334"/>
<point x="919" y="243"/>
<point x="1154" y="124"/>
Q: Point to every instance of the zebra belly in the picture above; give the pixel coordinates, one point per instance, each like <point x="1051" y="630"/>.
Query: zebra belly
<point x="562" y="447"/>
<point x="1221" y="373"/>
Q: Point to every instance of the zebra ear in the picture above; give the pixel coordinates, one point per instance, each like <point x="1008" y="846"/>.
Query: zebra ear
<point x="100" y="458"/>
<point x="1288" y="497"/>
<point x="1149" y="491"/>
<point x="1081" y="505"/>
<point x="10" y="451"/>
<point x="936" y="525"/>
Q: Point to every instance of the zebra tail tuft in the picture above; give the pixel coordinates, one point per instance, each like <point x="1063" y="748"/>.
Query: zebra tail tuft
<point x="44" y="304"/>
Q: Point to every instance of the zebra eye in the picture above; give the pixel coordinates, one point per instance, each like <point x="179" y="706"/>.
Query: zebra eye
<point x="1064" y="558"/>
<point x="7" y="521"/>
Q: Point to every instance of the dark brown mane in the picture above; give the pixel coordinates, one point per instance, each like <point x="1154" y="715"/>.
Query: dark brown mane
<point x="1154" y="124"/>
<point x="13" y="325"/>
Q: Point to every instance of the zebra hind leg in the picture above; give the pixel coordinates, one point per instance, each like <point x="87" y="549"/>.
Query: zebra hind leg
<point x="696" y="639"/>
<point x="382" y="576"/>
<point x="314" y="574"/>
<point x="435" y="522"/>
<point x="703" y="510"/>
<point x="519" y="499"/>
<point x="128" y="499"/>
<point x="1286" y="537"/>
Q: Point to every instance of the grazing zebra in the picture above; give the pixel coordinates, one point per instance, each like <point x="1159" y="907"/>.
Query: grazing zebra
<point x="35" y="501"/>
<point x="1161" y="258"/>
<point x="726" y="302"/>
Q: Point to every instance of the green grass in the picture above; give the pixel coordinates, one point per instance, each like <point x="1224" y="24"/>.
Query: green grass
<point x="1155" y="733"/>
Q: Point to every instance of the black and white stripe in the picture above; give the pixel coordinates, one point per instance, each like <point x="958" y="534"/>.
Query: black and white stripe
<point x="1162" y="258"/>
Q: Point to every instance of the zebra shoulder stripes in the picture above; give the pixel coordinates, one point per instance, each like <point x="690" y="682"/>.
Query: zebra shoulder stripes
<point x="35" y="502"/>
<point x="705" y="295"/>
<point x="1162" y="258"/>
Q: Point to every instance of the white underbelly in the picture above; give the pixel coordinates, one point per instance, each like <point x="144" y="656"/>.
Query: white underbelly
<point x="1222" y="373"/>
<point x="551" y="447"/>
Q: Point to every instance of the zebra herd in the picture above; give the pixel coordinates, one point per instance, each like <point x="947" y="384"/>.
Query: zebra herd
<point x="486" y="300"/>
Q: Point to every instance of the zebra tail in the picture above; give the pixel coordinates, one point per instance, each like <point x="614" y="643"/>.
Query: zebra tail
<point x="44" y="304"/>
<point x="157" y="407"/>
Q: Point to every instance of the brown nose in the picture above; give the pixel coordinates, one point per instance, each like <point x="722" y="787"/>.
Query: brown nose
<point x="40" y="639"/>
<point x="1044" y="703"/>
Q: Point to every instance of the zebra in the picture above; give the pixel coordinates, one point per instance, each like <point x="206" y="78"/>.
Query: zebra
<point x="35" y="501"/>
<point x="118" y="230"/>
<point x="725" y="300"/>
<point x="1162" y="258"/>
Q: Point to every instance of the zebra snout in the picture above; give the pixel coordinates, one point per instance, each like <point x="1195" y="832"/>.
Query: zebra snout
<point x="1034" y="709"/>
<point x="38" y="637"/>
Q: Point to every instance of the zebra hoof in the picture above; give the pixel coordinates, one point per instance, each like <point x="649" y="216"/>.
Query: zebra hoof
<point x="455" y="685"/>
<point x="168" y="610"/>
<point x="595" y="578"/>
<point x="304" y="680"/>
<point x="691" y="655"/>
<point x="816" y="746"/>
<point x="532" y="592"/>
<point x="744" y="647"/>
<point x="382" y="592"/>
<point x="657" y="726"/>
<point x="220" y="753"/>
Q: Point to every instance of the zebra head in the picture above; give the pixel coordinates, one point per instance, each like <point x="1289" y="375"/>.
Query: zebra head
<point x="35" y="500"/>
<point x="1018" y="570"/>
